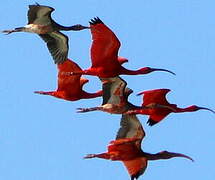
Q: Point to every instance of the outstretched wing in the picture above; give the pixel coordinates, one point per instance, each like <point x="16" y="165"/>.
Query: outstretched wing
<point x="136" y="167"/>
<point x="130" y="127"/>
<point x="66" y="82"/>
<point x="57" y="44"/>
<point x="40" y="15"/>
<point x="105" y="45"/>
<point x="157" y="96"/>
<point x="113" y="90"/>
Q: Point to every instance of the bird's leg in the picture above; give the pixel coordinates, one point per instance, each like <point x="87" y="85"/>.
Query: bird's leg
<point x="102" y="155"/>
<point x="82" y="110"/>
<point x="43" y="92"/>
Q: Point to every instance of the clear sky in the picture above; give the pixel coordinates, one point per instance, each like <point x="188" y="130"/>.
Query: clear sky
<point x="43" y="138"/>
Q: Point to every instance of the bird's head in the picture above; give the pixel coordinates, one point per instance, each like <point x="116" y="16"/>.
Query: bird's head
<point x="79" y="27"/>
<point x="122" y="60"/>
<point x="147" y="70"/>
<point x="169" y="155"/>
<point x="196" y="108"/>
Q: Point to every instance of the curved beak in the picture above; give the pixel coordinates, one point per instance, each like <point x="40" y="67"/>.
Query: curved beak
<point x="165" y="70"/>
<point x="79" y="27"/>
<point x="179" y="155"/>
<point x="204" y="108"/>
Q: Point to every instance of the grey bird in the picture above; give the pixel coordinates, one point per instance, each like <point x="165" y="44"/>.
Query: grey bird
<point x="41" y="23"/>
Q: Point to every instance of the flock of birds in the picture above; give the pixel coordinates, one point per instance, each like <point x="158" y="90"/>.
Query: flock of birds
<point x="107" y="66"/>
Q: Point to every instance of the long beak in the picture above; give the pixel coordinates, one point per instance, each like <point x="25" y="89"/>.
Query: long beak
<point x="207" y="109"/>
<point x="155" y="69"/>
<point x="19" y="29"/>
<point x="172" y="154"/>
<point x="79" y="27"/>
<point x="8" y="31"/>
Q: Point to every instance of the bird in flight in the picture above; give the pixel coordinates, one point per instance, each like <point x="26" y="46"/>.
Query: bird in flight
<point x="115" y="97"/>
<point x="127" y="148"/>
<point x="41" y="23"/>
<point x="156" y="113"/>
<point x="70" y="87"/>
<point x="104" y="54"/>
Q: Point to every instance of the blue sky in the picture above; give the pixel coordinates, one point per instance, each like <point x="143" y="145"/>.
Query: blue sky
<point x="42" y="137"/>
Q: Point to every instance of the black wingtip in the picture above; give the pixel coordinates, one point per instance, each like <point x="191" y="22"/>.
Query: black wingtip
<point x="95" y="21"/>
<point x="151" y="122"/>
<point x="37" y="4"/>
<point x="135" y="176"/>
<point x="33" y="5"/>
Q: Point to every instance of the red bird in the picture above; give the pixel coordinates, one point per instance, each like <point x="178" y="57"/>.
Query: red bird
<point x="70" y="87"/>
<point x="127" y="148"/>
<point x="115" y="98"/>
<point x="156" y="114"/>
<point x="104" y="54"/>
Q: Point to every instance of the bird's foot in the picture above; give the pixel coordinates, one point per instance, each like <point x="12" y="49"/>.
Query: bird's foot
<point x="8" y="31"/>
<point x="82" y="110"/>
<point x="88" y="156"/>
<point x="41" y="92"/>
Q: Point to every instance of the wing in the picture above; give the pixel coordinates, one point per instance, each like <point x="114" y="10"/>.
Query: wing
<point x="159" y="115"/>
<point x="113" y="90"/>
<point x="57" y="44"/>
<point x="65" y="82"/>
<point x="105" y="45"/>
<point x="136" y="167"/>
<point x="130" y="127"/>
<point x="39" y="14"/>
<point x="157" y="96"/>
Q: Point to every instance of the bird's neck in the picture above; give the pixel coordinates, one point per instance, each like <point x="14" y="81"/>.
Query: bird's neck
<point x="187" y="109"/>
<point x="152" y="157"/>
<point x="76" y="27"/>
<point x="129" y="72"/>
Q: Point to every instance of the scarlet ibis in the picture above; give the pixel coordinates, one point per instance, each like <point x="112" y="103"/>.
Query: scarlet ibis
<point x="127" y="148"/>
<point x="41" y="23"/>
<point x="70" y="87"/>
<point x="156" y="113"/>
<point x="104" y="54"/>
<point x="115" y="97"/>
